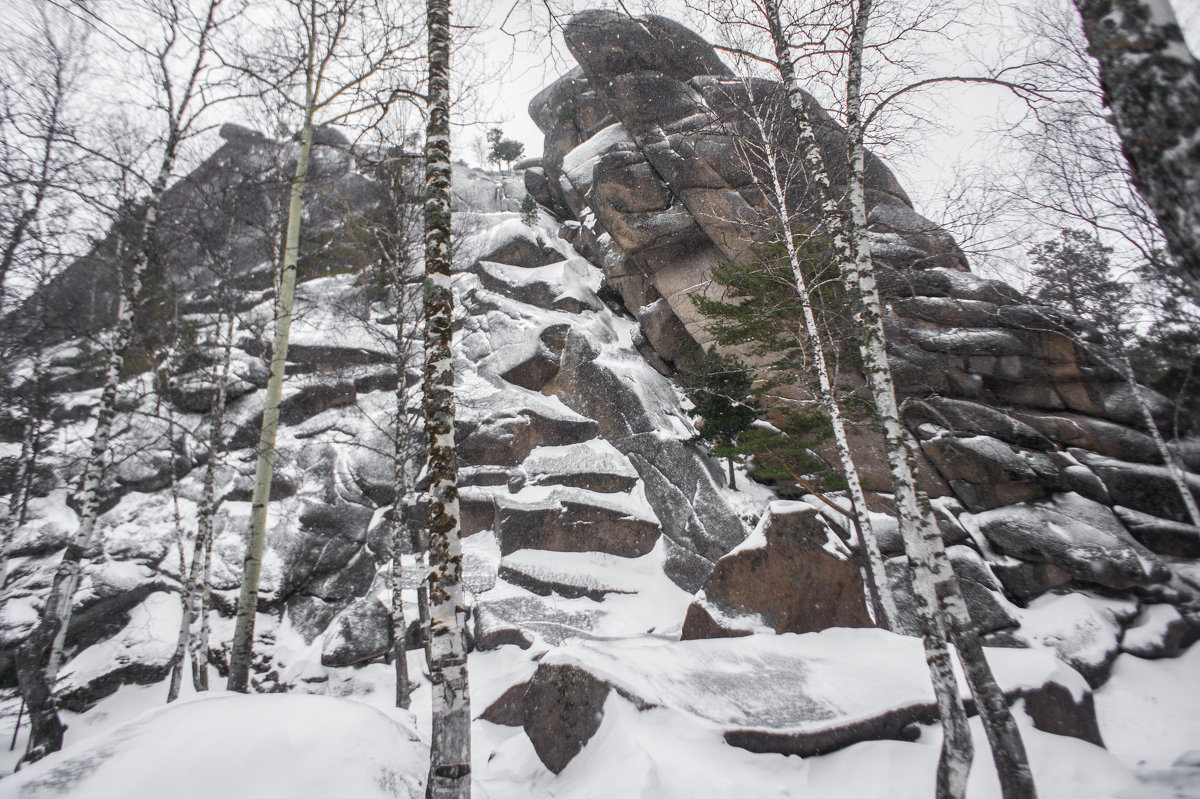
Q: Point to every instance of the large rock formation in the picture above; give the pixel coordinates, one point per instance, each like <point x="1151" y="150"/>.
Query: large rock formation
<point x="595" y="528"/>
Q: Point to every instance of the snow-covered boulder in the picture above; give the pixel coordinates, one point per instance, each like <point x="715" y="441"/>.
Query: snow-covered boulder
<point x="791" y="694"/>
<point x="305" y="747"/>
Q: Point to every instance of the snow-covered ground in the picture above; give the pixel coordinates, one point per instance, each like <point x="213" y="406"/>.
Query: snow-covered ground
<point x="352" y="742"/>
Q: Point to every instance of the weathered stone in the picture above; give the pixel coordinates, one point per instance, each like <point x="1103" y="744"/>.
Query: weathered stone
<point x="1140" y="486"/>
<point x="509" y="708"/>
<point x="792" y="575"/>
<point x="1159" y="632"/>
<point x="359" y="634"/>
<point x="1027" y="580"/>
<point x="986" y="603"/>
<point x="1082" y="537"/>
<point x="562" y="710"/>
<point x="1161" y="536"/>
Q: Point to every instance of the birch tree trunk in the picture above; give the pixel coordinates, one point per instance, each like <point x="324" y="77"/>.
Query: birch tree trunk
<point x="930" y="567"/>
<point x="40" y="657"/>
<point x="1151" y="83"/>
<point x="243" y="634"/>
<point x="957" y="747"/>
<point x="450" y="747"/>
<point x="882" y="602"/>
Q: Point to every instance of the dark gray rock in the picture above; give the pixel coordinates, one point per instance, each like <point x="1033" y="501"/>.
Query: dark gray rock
<point x="1082" y="537"/>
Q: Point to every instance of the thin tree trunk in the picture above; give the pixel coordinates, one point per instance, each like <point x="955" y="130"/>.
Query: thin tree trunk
<point x="1169" y="459"/>
<point x="881" y="600"/>
<point x="957" y="747"/>
<point x="450" y="747"/>
<point x="400" y="533"/>
<point x="933" y="567"/>
<point x="242" y="648"/>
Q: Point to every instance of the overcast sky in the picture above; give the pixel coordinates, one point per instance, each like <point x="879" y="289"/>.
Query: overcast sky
<point x="925" y="160"/>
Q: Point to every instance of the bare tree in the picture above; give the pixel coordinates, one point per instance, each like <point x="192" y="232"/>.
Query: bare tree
<point x="350" y="52"/>
<point x="181" y="103"/>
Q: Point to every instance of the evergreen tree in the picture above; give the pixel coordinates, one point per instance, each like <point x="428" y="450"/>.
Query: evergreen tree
<point x="721" y="389"/>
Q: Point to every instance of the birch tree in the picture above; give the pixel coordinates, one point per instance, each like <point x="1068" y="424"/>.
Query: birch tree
<point x="938" y="597"/>
<point x="1151" y="83"/>
<point x="347" y="49"/>
<point x="450" y="747"/>
<point x="810" y="333"/>
<point x="181" y="103"/>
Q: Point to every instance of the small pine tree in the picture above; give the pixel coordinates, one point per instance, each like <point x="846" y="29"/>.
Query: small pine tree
<point x="1074" y="273"/>
<point x="529" y="211"/>
<point x="721" y="389"/>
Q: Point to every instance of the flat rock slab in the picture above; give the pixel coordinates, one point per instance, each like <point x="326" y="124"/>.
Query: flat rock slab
<point x="791" y="694"/>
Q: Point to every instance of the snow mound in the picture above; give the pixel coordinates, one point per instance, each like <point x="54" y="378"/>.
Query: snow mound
<point x="235" y="747"/>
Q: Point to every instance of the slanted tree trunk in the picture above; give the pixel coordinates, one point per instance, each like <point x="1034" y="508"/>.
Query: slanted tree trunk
<point x="883" y="605"/>
<point x="957" y="747"/>
<point x="930" y="564"/>
<point x="450" y="747"/>
<point x="1151" y="83"/>
<point x="242" y="648"/>
<point x="40" y="657"/>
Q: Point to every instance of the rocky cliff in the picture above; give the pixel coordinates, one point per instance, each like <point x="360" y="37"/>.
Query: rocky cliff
<point x="598" y="536"/>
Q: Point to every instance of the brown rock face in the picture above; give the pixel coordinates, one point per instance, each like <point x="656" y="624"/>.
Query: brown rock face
<point x="1016" y="405"/>
<point x="793" y="575"/>
<point x="563" y="708"/>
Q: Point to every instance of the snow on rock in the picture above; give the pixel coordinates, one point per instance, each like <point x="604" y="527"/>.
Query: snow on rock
<point x="792" y="574"/>
<point x="1160" y="631"/>
<point x="139" y="654"/>
<point x="566" y="519"/>
<point x="1078" y="534"/>
<point x="594" y="464"/>
<point x="1084" y="631"/>
<point x="794" y="694"/>
<point x="298" y="746"/>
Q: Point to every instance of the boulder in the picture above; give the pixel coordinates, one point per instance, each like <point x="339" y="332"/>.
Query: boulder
<point x="1083" y="631"/>
<point x="792" y="575"/>
<point x="595" y="465"/>
<point x="1141" y="487"/>
<point x="1161" y="536"/>
<point x="1080" y="536"/>
<point x="1160" y="631"/>
<point x="990" y="610"/>
<point x="564" y="519"/>
<point x="360" y="633"/>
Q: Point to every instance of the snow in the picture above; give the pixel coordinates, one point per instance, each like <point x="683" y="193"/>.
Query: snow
<point x="149" y="638"/>
<point x="781" y="683"/>
<point x="1151" y="628"/>
<point x="1149" y="713"/>
<point x="592" y="457"/>
<point x="234" y="746"/>
<point x="1083" y="630"/>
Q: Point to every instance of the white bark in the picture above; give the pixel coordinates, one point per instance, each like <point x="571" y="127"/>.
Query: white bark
<point x="450" y="747"/>
<point x="242" y="649"/>
<point x="1151" y="84"/>
<point x="957" y="747"/>
<point x="884" y="603"/>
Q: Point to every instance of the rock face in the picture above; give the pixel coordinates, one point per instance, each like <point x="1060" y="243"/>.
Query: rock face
<point x="571" y="444"/>
<point x="792" y="575"/>
<point x="597" y="533"/>
<point x="1026" y="429"/>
